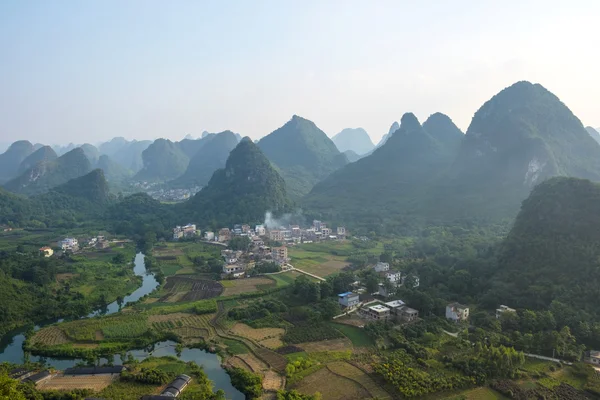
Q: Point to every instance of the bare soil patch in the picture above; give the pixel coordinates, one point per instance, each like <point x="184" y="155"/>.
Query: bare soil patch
<point x="257" y="334"/>
<point x="273" y="381"/>
<point x="248" y="285"/>
<point x="254" y="363"/>
<point x="70" y="382"/>
<point x="327" y="345"/>
<point x="272" y="343"/>
<point x="190" y="288"/>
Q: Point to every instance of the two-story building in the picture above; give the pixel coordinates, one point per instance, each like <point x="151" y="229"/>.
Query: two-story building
<point x="394" y="277"/>
<point x="377" y="312"/>
<point x="280" y="254"/>
<point x="348" y="299"/>
<point x="381" y="267"/>
<point x="457" y="312"/>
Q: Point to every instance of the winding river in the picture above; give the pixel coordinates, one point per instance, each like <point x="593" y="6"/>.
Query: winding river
<point x="11" y="346"/>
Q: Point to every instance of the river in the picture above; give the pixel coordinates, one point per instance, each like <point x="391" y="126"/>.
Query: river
<point x="11" y="347"/>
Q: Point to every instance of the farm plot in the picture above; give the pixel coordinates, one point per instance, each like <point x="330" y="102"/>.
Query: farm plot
<point x="254" y="363"/>
<point x="70" y="382"/>
<point x="50" y="336"/>
<point x="357" y="375"/>
<point x="341" y="344"/>
<point x="184" y="325"/>
<point x="311" y="333"/>
<point x="332" y="386"/>
<point x="248" y="285"/>
<point x="277" y="361"/>
<point x="256" y="334"/>
<point x="273" y="381"/>
<point x="190" y="288"/>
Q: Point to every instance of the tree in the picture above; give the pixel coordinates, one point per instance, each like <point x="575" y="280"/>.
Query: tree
<point x="239" y="243"/>
<point x="8" y="389"/>
<point x="372" y="282"/>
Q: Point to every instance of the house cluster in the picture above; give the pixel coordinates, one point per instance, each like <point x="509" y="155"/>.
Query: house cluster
<point x="159" y="193"/>
<point x="99" y="242"/>
<point x="295" y="234"/>
<point x="186" y="231"/>
<point x="395" y="278"/>
<point x="69" y="244"/>
<point x="396" y="311"/>
<point x="237" y="263"/>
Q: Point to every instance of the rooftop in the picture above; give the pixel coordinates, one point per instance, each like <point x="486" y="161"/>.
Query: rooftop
<point x="379" y="308"/>
<point x="457" y="305"/>
<point x="395" y="303"/>
<point x="345" y="294"/>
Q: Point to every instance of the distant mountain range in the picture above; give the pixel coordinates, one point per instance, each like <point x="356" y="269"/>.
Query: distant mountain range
<point x="433" y="174"/>
<point x="353" y="139"/>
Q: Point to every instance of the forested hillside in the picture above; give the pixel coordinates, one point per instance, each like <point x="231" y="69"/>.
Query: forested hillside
<point x="243" y="191"/>
<point x="48" y="174"/>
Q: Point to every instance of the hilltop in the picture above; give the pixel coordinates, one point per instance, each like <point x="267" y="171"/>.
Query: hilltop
<point x="302" y="153"/>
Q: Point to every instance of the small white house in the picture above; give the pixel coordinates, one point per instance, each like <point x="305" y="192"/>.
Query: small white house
<point x="348" y="299"/>
<point x="503" y="309"/>
<point x="209" y="235"/>
<point x="382" y="267"/>
<point x="457" y="312"/>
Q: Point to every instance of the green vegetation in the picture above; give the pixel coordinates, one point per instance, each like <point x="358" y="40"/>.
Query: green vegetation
<point x="12" y="159"/>
<point x="311" y="333"/>
<point x="246" y="382"/>
<point x="35" y="288"/>
<point x="357" y="336"/>
<point x="303" y="154"/>
<point x="48" y="174"/>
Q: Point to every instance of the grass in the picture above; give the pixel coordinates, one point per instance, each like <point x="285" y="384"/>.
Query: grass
<point x="234" y="347"/>
<point x="357" y="336"/>
<point x="169" y="269"/>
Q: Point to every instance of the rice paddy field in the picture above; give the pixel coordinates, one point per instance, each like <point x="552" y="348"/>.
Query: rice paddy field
<point x="70" y="382"/>
<point x="331" y="386"/>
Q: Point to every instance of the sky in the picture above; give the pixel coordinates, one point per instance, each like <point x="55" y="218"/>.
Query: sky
<point x="87" y="71"/>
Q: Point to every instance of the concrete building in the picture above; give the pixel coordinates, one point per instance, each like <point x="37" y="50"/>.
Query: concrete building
<point x="502" y="309"/>
<point x="276" y="235"/>
<point x="394" y="277"/>
<point x="348" y="299"/>
<point x="457" y="312"/>
<point x="209" y="235"/>
<point x="233" y="268"/>
<point x="592" y="357"/>
<point x="69" y="244"/>
<point x="224" y="235"/>
<point x="377" y="312"/>
<point x="280" y="254"/>
<point x="260" y="230"/>
<point x="341" y="231"/>
<point x="317" y="225"/>
<point x="381" y="267"/>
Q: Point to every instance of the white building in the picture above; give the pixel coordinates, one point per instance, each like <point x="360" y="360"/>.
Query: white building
<point x="341" y="231"/>
<point x="209" y="235"/>
<point x="382" y="267"/>
<point x="317" y="225"/>
<point x="233" y="269"/>
<point x="502" y="309"/>
<point x="394" y="277"/>
<point x="457" y="312"/>
<point x="260" y="230"/>
<point x="69" y="244"/>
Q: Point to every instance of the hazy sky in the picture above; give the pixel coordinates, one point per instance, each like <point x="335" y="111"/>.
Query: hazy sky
<point x="85" y="71"/>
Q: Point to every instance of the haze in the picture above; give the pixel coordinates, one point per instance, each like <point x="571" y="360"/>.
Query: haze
<point x="88" y="71"/>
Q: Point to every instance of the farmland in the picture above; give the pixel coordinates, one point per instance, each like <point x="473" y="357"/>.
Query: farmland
<point x="341" y="344"/>
<point x="69" y="382"/>
<point x="331" y="386"/>
<point x="248" y="285"/>
<point x="186" y="326"/>
<point x="311" y="333"/>
<point x="189" y="288"/>
<point x="349" y="371"/>
<point x="257" y="335"/>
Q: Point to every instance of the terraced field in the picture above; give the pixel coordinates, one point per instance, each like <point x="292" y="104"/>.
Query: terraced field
<point x="357" y="375"/>
<point x="332" y="386"/>
<point x="257" y="334"/>
<point x="184" y="325"/>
